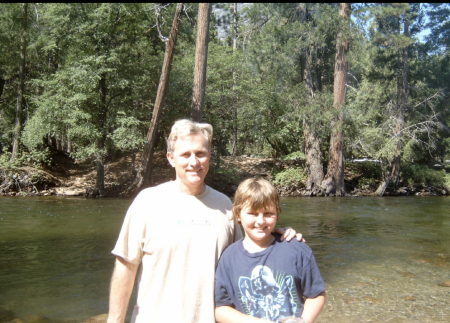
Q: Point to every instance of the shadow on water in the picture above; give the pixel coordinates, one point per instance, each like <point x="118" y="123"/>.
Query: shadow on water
<point x="382" y="258"/>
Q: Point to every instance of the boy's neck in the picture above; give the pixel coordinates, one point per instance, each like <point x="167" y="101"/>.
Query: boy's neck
<point x="257" y="246"/>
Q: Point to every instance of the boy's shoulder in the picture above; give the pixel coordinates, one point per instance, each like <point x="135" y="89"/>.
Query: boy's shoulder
<point x="292" y="246"/>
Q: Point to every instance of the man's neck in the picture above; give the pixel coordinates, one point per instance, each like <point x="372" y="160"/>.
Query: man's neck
<point x="191" y="190"/>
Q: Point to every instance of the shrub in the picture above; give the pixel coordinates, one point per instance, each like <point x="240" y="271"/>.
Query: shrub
<point x="292" y="177"/>
<point x="367" y="183"/>
<point x="296" y="155"/>
<point x="421" y="175"/>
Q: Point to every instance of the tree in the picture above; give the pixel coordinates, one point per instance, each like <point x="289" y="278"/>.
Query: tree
<point x="311" y="126"/>
<point x="392" y="170"/>
<point x="334" y="180"/>
<point x="21" y="87"/>
<point x="143" y="177"/>
<point x="97" y="89"/>
<point x="201" y="57"/>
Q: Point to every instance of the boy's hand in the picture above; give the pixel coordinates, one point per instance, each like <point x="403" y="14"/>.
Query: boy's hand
<point x="288" y="233"/>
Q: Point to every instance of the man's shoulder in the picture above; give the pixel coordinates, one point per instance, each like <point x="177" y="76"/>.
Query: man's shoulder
<point x="154" y="193"/>
<point x="216" y="193"/>
<point x="217" y="197"/>
<point x="160" y="188"/>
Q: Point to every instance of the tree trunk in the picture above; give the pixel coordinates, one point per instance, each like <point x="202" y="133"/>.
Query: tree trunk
<point x="20" y="96"/>
<point x="312" y="142"/>
<point x="235" y="130"/>
<point x="313" y="165"/>
<point x="201" y="56"/>
<point x="69" y="143"/>
<point x="2" y="86"/>
<point x="392" y="171"/>
<point x="334" y="180"/>
<point x="144" y="173"/>
<point x="101" y="142"/>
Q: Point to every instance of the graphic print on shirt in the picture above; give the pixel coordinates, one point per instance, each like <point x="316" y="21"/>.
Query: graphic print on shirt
<point x="265" y="297"/>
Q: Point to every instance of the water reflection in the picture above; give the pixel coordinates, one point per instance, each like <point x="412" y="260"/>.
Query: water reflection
<point x="382" y="258"/>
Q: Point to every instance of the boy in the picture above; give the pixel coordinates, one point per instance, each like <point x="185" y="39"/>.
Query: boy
<point x="259" y="278"/>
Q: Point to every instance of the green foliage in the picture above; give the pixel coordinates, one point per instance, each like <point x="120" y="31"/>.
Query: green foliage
<point x="7" y="164"/>
<point x="422" y="176"/>
<point x="368" y="169"/>
<point x="291" y="177"/>
<point x="256" y="92"/>
<point x="297" y="155"/>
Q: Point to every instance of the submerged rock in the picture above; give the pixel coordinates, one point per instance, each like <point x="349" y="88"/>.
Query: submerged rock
<point x="445" y="284"/>
<point x="97" y="319"/>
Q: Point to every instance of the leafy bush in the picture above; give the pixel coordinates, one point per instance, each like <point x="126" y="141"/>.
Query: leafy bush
<point x="421" y="175"/>
<point x="367" y="183"/>
<point x="295" y="155"/>
<point x="6" y="164"/>
<point x="292" y="177"/>
<point x="366" y="169"/>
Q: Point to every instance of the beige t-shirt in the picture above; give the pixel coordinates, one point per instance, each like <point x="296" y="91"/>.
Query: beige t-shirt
<point x="179" y="239"/>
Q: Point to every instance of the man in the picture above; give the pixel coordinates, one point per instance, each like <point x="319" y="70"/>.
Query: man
<point x="177" y="230"/>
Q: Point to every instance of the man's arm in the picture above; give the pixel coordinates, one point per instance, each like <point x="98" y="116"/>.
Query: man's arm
<point x="122" y="283"/>
<point x="313" y="307"/>
<point x="227" y="314"/>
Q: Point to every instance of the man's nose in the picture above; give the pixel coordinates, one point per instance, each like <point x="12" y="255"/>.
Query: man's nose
<point x="193" y="160"/>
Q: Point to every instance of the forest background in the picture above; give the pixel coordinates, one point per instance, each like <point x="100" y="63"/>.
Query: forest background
<point x="315" y="87"/>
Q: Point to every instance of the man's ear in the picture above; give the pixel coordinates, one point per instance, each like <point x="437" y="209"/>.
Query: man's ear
<point x="170" y="159"/>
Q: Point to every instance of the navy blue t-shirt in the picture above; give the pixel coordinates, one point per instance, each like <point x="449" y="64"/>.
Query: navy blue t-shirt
<point x="268" y="284"/>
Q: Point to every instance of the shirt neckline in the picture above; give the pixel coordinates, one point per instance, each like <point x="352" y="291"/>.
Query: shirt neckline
<point x="259" y="253"/>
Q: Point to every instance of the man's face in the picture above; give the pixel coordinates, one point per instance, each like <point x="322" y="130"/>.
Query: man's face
<point x="190" y="158"/>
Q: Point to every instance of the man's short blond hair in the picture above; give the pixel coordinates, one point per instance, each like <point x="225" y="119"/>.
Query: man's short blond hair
<point x="185" y="127"/>
<point x="258" y="194"/>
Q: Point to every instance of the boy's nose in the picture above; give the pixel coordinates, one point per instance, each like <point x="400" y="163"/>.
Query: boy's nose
<point x="260" y="218"/>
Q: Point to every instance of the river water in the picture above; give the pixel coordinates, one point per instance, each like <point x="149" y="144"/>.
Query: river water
<point x="382" y="258"/>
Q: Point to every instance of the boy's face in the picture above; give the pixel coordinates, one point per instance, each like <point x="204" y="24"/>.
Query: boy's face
<point x="258" y="224"/>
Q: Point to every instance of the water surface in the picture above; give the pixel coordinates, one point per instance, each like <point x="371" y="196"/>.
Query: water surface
<point x="381" y="258"/>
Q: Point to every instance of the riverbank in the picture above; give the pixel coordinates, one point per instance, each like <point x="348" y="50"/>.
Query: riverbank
<point x="66" y="177"/>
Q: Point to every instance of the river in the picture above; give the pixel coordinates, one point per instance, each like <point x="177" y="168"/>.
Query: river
<point x="382" y="258"/>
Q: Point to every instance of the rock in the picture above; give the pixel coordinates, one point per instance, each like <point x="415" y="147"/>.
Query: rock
<point x="408" y="274"/>
<point x="445" y="284"/>
<point x="29" y="319"/>
<point x="371" y="299"/>
<point x="97" y="319"/>
<point x="410" y="298"/>
<point x="6" y="315"/>
<point x="72" y="193"/>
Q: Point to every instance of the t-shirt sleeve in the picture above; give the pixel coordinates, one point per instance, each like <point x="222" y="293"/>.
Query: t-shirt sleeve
<point x="129" y="244"/>
<point x="221" y="295"/>
<point x="311" y="279"/>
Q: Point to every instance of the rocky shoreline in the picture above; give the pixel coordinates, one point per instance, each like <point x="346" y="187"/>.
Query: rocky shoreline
<point x="68" y="178"/>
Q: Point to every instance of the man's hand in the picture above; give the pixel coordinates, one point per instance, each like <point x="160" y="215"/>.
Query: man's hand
<point x="288" y="233"/>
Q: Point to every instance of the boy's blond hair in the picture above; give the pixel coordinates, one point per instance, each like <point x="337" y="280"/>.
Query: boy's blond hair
<point x="257" y="193"/>
<point x="185" y="127"/>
